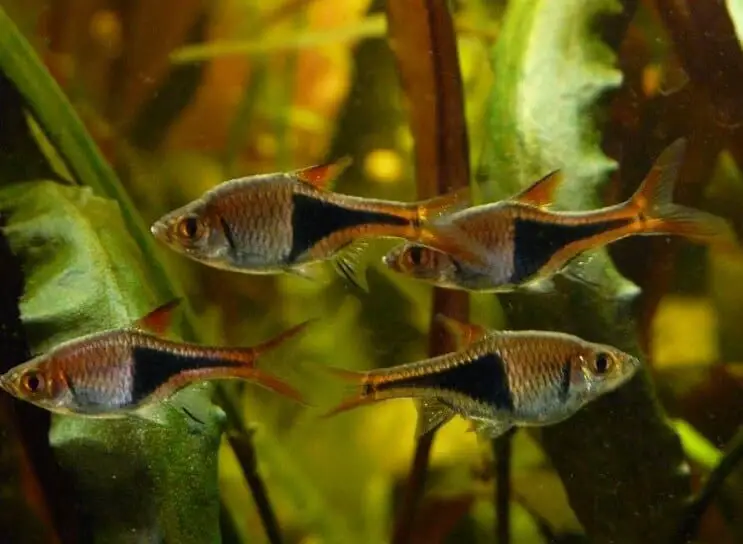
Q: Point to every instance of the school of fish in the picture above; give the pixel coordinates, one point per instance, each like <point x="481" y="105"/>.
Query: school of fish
<point x="286" y="222"/>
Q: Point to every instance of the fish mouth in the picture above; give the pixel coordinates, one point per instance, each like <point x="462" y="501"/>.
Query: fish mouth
<point x="6" y="384"/>
<point x="158" y="229"/>
<point x="390" y="260"/>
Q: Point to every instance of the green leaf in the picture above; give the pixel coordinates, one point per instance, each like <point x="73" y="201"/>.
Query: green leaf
<point x="90" y="264"/>
<point x="551" y="72"/>
<point x="84" y="273"/>
<point x="64" y="130"/>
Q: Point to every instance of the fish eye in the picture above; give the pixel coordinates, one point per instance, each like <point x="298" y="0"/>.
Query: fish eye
<point x="32" y="382"/>
<point x="415" y="255"/>
<point x="603" y="363"/>
<point x="191" y="228"/>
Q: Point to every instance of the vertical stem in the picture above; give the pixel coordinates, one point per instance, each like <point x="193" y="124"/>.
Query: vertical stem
<point x="414" y="489"/>
<point x="502" y="452"/>
<point x="422" y="37"/>
<point x="689" y="526"/>
<point x="244" y="449"/>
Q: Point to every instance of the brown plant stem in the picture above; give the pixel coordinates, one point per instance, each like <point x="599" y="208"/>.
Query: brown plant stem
<point x="421" y="34"/>
<point x="502" y="449"/>
<point x="692" y="518"/>
<point x="242" y="445"/>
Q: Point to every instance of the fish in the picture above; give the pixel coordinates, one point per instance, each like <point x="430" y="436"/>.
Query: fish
<point x="496" y="380"/>
<point x="285" y="222"/>
<point x="128" y="371"/>
<point x="521" y="241"/>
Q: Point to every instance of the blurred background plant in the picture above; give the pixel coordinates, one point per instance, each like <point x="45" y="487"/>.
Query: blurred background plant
<point x="180" y="95"/>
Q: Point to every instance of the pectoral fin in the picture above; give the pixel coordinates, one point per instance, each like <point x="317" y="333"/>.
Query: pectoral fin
<point x="431" y="415"/>
<point x="489" y="428"/>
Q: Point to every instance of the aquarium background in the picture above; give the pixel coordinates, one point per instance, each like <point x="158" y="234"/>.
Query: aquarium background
<point x="162" y="100"/>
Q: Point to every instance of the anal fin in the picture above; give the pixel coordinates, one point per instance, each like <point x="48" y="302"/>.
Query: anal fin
<point x="432" y="414"/>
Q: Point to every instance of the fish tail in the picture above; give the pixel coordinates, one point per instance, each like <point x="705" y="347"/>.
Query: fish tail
<point x="656" y="213"/>
<point x="363" y="386"/>
<point x="444" y="236"/>
<point x="249" y="357"/>
<point x="259" y="377"/>
<point x="272" y="383"/>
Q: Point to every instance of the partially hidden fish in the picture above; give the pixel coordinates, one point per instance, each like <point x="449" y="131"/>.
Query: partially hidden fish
<point x="282" y="222"/>
<point x="498" y="379"/>
<point x="520" y="241"/>
<point x="127" y="371"/>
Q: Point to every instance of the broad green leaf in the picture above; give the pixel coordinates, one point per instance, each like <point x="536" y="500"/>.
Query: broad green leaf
<point x="550" y="71"/>
<point x="56" y="117"/>
<point x="84" y="273"/>
<point x="90" y="264"/>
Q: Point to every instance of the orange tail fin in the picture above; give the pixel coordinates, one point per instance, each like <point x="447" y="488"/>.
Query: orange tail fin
<point x="247" y="357"/>
<point x="259" y="377"/>
<point x="361" y="385"/>
<point x="272" y="383"/>
<point x="254" y="353"/>
<point x="654" y="202"/>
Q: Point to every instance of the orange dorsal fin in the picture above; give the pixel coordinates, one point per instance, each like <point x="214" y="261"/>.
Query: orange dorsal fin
<point x="320" y="176"/>
<point x="540" y="193"/>
<point x="463" y="334"/>
<point x="444" y="204"/>
<point x="158" y="320"/>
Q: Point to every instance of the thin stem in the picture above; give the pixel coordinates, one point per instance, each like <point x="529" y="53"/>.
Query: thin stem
<point x="414" y="490"/>
<point x="425" y="50"/>
<point x="242" y="445"/>
<point x="698" y="506"/>
<point x="502" y="447"/>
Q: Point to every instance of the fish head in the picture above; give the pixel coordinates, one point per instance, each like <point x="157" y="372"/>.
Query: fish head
<point x="35" y="382"/>
<point x="194" y="230"/>
<point x="602" y="368"/>
<point x="423" y="263"/>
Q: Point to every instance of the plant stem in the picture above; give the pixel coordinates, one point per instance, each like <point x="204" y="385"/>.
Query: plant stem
<point x="414" y="489"/>
<point x="502" y="452"/>
<point x="698" y="506"/>
<point x="242" y="445"/>
<point x="425" y="48"/>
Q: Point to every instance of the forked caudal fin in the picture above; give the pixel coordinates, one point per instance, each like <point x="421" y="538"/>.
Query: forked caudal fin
<point x="247" y="358"/>
<point x="362" y="390"/>
<point x="653" y="203"/>
<point x="276" y="341"/>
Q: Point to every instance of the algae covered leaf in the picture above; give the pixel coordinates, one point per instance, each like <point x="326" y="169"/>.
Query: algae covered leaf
<point x="89" y="264"/>
<point x="619" y="456"/>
